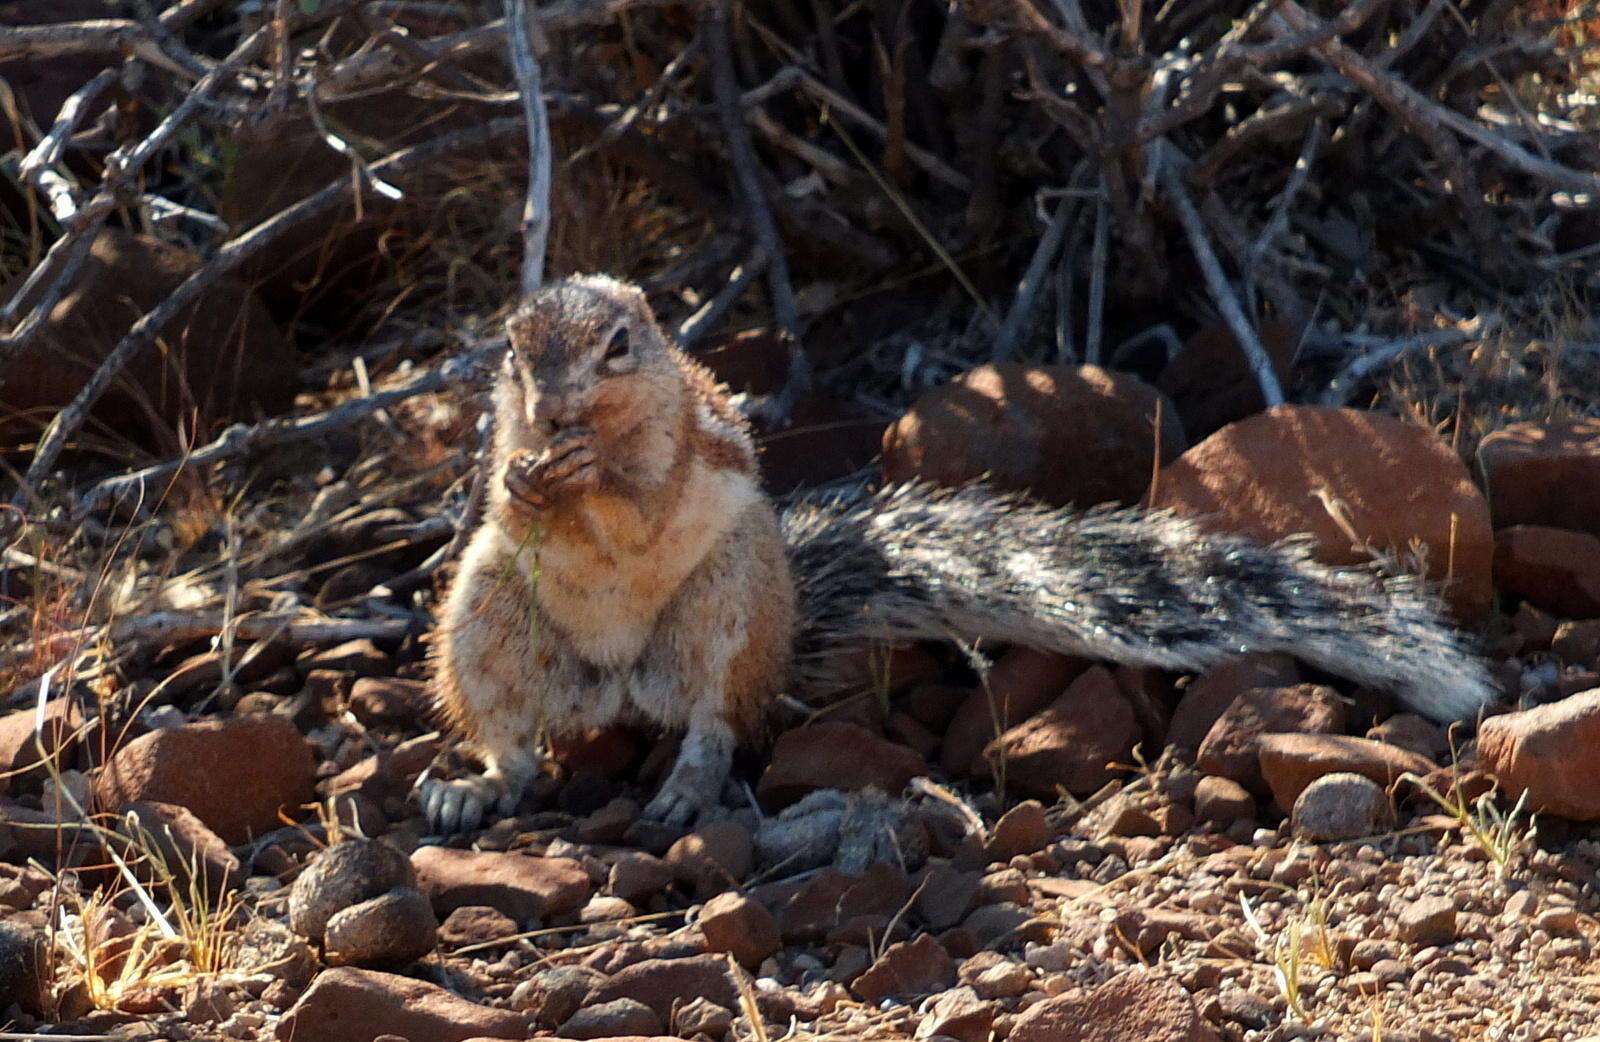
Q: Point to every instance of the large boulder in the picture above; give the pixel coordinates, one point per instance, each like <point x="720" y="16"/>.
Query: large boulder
<point x="1073" y="743"/>
<point x="1549" y="753"/>
<point x="353" y="1005"/>
<point x="836" y="755"/>
<point x="518" y="885"/>
<point x="235" y="774"/>
<point x="1556" y="569"/>
<point x="1290" y="762"/>
<point x="1063" y="434"/>
<point x="1544" y="474"/>
<point x="221" y="358"/>
<point x="1350" y="480"/>
<point x="1211" y="382"/>
<point x="1138" y="1005"/>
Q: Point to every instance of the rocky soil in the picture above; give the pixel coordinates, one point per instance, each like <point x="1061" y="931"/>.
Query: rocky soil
<point x="1040" y="848"/>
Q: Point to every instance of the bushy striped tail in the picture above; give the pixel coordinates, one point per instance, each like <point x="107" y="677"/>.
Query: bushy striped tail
<point x="1152" y="589"/>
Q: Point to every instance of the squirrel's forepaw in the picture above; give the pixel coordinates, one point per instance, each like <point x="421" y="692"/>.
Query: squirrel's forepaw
<point x="453" y="806"/>
<point x="568" y="465"/>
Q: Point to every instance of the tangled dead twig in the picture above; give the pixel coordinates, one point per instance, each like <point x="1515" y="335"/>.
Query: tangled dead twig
<point x="916" y="192"/>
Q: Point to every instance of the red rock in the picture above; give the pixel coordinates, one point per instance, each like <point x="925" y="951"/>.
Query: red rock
<point x="475" y="924"/>
<point x="1427" y="922"/>
<point x="993" y="976"/>
<point x="835" y="756"/>
<point x="1534" y="626"/>
<point x="959" y="1014"/>
<point x="814" y="910"/>
<point x="713" y="858"/>
<point x="1410" y="731"/>
<point x="1544" y="474"/>
<point x="222" y="356"/>
<point x="389" y="700"/>
<point x="704" y="1018"/>
<point x="193" y="853"/>
<point x="1223" y="801"/>
<point x="522" y="887"/>
<point x="1021" y="830"/>
<point x="1124" y="815"/>
<point x="351" y="1005"/>
<point x="1577" y="642"/>
<point x="610" y="751"/>
<point x="1556" y="569"/>
<point x="1004" y="925"/>
<point x="1072" y="743"/>
<point x="1290" y="762"/>
<point x="1139" y="1005"/>
<point x="907" y="731"/>
<point x="1396" y="485"/>
<point x="1549" y="753"/>
<point x="389" y="774"/>
<point x="908" y="969"/>
<point x="946" y="896"/>
<point x="1230" y="749"/>
<point x="741" y="927"/>
<point x="610" y="823"/>
<point x="1006" y="423"/>
<point x="21" y="738"/>
<point x="1021" y="682"/>
<point x="826" y="439"/>
<point x="883" y="889"/>
<point x="637" y="876"/>
<point x="1209" y="695"/>
<point x="881" y="674"/>
<point x="1151" y="693"/>
<point x="663" y="983"/>
<point x="361" y="656"/>
<point x="750" y="362"/>
<point x="934" y="705"/>
<point x="1211" y="384"/>
<point x="236" y="774"/>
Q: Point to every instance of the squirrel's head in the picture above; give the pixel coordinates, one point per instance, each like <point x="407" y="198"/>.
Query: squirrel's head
<point x="583" y="351"/>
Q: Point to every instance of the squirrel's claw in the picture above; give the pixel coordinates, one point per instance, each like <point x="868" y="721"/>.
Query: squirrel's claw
<point x="454" y="806"/>
<point x="569" y="464"/>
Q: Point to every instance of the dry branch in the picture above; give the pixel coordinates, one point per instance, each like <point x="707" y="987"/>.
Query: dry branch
<point x="32" y="43"/>
<point x="1020" y="314"/>
<point x="54" y="276"/>
<point x="464" y="369"/>
<point x="530" y="88"/>
<point x="1342" y="387"/>
<point x="364" y="70"/>
<point x="742" y="153"/>
<point x="228" y="257"/>
<point x="1221" y="292"/>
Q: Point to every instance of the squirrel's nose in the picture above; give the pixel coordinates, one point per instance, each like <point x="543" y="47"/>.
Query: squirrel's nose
<point x="555" y="411"/>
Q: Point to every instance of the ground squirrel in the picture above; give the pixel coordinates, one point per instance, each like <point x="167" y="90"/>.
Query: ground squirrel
<point x="630" y="568"/>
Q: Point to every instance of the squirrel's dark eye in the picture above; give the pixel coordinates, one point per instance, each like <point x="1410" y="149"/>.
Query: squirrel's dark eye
<point x="617" y="346"/>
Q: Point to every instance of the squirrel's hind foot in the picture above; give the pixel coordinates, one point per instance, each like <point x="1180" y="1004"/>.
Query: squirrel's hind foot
<point x="695" y="784"/>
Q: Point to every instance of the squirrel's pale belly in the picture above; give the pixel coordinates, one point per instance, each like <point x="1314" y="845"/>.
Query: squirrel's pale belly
<point x="609" y="598"/>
